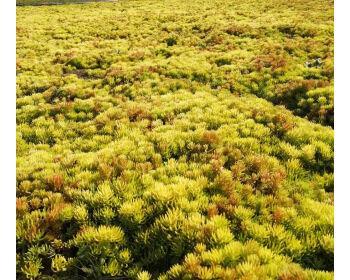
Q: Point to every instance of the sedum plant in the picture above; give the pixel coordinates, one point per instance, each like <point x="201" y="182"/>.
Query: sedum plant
<point x="175" y="140"/>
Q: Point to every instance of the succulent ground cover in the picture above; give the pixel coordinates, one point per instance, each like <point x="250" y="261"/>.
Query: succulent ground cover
<point x="175" y="140"/>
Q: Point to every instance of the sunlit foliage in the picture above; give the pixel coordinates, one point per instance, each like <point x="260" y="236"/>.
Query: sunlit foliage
<point x="175" y="140"/>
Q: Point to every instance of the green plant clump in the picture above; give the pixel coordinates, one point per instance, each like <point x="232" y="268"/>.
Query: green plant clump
<point x="175" y="140"/>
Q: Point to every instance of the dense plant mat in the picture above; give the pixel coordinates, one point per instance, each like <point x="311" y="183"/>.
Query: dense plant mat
<point x="175" y="140"/>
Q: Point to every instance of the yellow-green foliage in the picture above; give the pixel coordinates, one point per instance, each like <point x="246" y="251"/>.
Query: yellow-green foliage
<point x="150" y="143"/>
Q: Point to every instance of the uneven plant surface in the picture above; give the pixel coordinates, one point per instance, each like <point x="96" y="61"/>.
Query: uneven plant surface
<point x="175" y="140"/>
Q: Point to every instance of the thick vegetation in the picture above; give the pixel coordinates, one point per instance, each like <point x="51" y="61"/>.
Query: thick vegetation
<point x="175" y="140"/>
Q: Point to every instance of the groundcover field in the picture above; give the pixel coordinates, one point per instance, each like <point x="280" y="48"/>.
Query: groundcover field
<point x="175" y="140"/>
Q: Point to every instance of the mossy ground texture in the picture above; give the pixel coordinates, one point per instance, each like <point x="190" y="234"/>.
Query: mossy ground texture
<point x="175" y="140"/>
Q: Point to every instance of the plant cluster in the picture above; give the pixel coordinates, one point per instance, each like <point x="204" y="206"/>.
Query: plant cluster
<point x="163" y="140"/>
